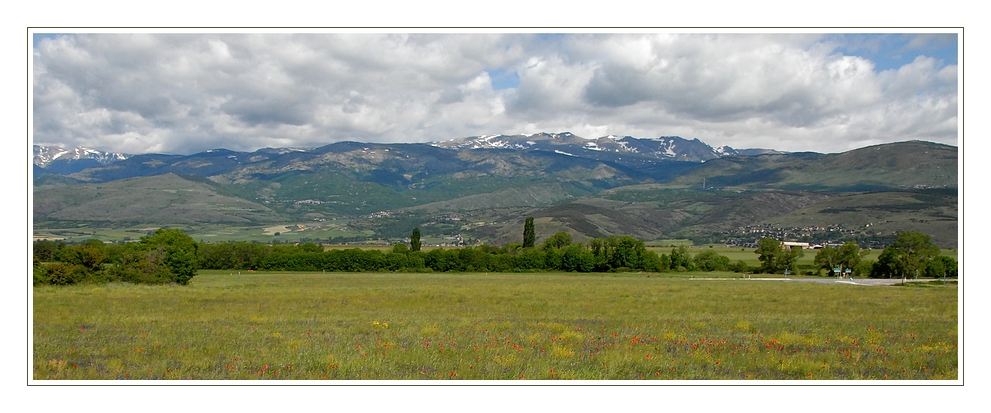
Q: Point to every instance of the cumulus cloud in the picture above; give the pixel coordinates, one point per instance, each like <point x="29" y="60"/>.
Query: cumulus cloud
<point x="184" y="93"/>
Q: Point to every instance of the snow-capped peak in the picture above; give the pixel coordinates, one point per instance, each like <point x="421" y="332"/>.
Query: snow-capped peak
<point x="44" y="155"/>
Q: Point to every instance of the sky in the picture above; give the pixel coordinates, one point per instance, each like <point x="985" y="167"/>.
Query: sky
<point x="184" y="93"/>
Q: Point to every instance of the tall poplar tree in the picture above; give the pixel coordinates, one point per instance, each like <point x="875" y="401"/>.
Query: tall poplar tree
<point x="529" y="236"/>
<point x="414" y="240"/>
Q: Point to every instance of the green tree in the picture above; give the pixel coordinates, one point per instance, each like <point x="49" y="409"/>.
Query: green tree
<point x="665" y="262"/>
<point x="773" y="258"/>
<point x="846" y="256"/>
<point x="863" y="268"/>
<point x="941" y="266"/>
<point x="600" y="254"/>
<point x="627" y="252"/>
<point x="911" y="252"/>
<point x="849" y="254"/>
<point x="553" y="258"/>
<point x="44" y="251"/>
<point x="176" y="252"/>
<point x="529" y="235"/>
<point x="559" y="240"/>
<point x="887" y="265"/>
<point x="788" y="259"/>
<point x="62" y="274"/>
<point x="414" y="240"/>
<point x="91" y="255"/>
<point x="710" y="260"/>
<point x="310" y="247"/>
<point x="529" y="259"/>
<point x="826" y="258"/>
<point x="681" y="259"/>
<point x="577" y="259"/>
<point x="768" y="250"/>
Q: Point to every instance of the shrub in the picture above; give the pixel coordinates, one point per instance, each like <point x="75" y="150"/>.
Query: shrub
<point x="709" y="260"/>
<point x="175" y="251"/>
<point x="739" y="266"/>
<point x="61" y="274"/>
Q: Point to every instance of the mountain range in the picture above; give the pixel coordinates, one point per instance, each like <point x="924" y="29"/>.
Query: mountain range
<point x="51" y="159"/>
<point x="654" y="188"/>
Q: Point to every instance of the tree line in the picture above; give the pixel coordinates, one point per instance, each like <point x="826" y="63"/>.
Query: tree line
<point x="910" y="256"/>
<point x="557" y="253"/>
<point x="171" y="256"/>
<point x="166" y="256"/>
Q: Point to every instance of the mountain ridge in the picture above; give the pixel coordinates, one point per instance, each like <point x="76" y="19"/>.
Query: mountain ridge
<point x="661" y="147"/>
<point x="387" y="189"/>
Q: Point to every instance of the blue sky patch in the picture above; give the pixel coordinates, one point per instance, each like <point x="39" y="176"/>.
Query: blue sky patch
<point x="38" y="36"/>
<point x="504" y="79"/>
<point x="892" y="51"/>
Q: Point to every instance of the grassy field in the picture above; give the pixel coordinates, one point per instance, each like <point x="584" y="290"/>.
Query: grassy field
<point x="305" y="326"/>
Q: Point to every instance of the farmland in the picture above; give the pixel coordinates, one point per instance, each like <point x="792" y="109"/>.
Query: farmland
<point x="545" y="326"/>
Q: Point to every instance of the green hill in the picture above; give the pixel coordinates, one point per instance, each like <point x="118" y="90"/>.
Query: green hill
<point x="896" y="166"/>
<point x="156" y="199"/>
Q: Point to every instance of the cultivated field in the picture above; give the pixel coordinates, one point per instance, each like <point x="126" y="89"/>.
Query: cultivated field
<point x="312" y="326"/>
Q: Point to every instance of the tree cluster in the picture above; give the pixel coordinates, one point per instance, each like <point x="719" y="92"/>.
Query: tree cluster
<point x="912" y="255"/>
<point x="846" y="256"/>
<point x="774" y="259"/>
<point x="167" y="256"/>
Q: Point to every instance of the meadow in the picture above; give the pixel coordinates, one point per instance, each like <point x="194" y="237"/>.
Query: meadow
<point x="545" y="326"/>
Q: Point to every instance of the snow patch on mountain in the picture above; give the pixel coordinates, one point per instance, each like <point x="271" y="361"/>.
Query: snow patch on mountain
<point x="45" y="155"/>
<point x="669" y="150"/>
<point x="626" y="146"/>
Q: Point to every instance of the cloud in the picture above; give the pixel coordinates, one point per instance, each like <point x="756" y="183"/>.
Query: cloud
<point x="184" y="93"/>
